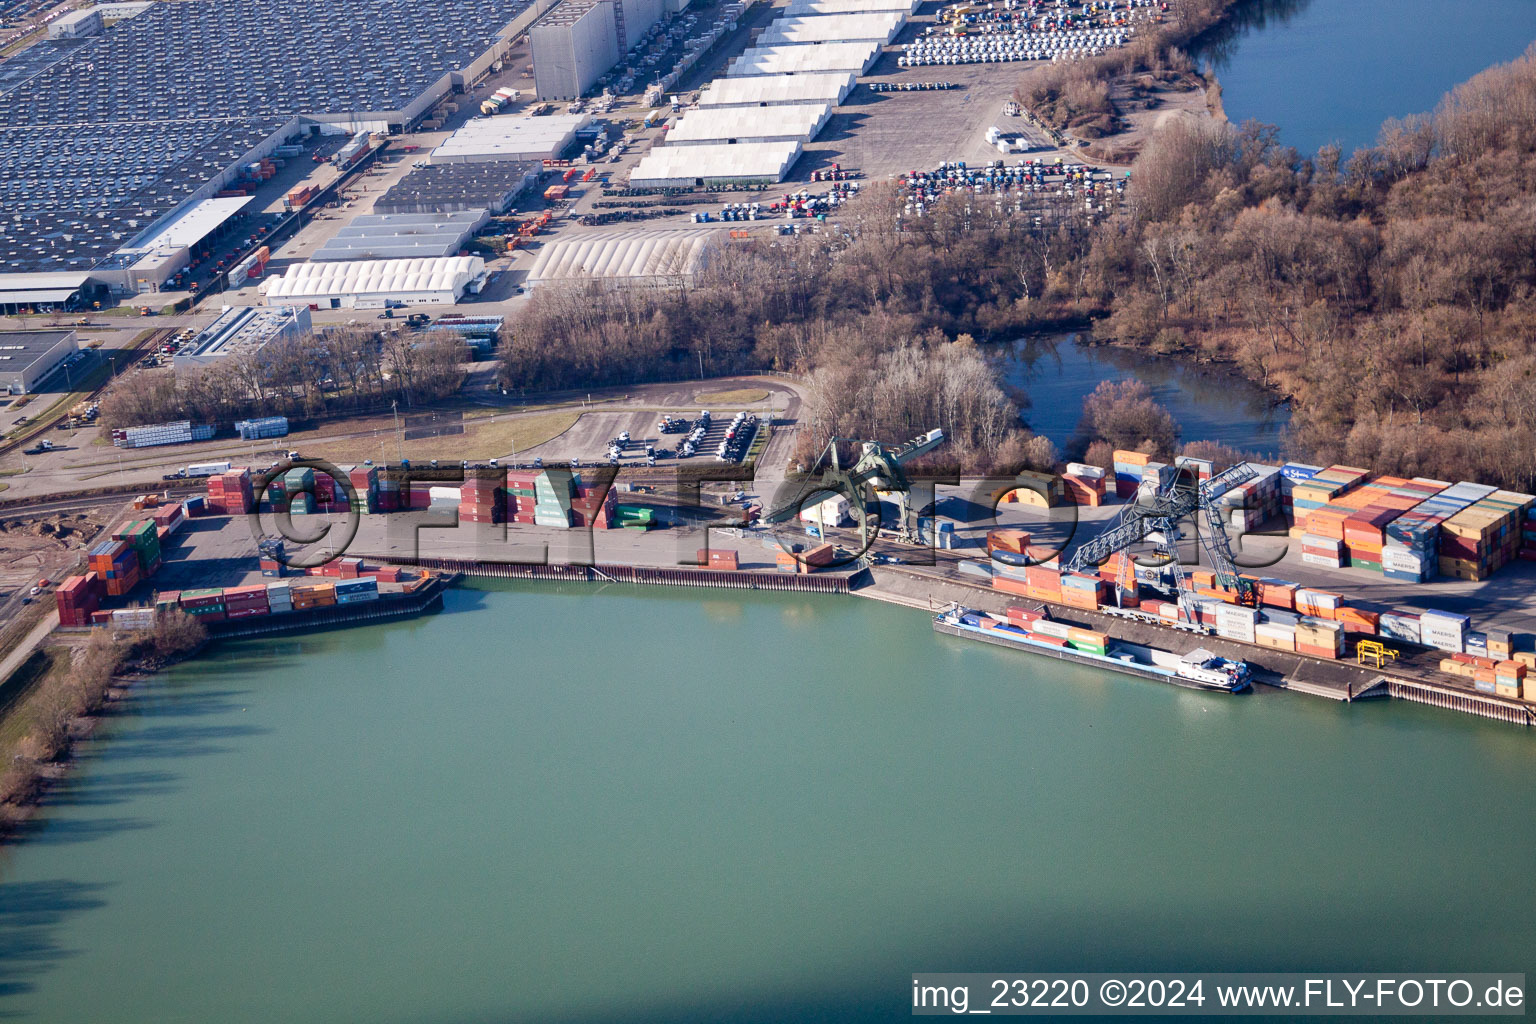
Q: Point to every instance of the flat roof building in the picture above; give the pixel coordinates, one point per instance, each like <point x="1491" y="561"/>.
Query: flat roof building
<point x="743" y="163"/>
<point x="445" y="188"/>
<point x="874" y="26"/>
<point x="715" y="125"/>
<point x="76" y="24"/>
<point x="774" y="90"/>
<point x="392" y="236"/>
<point x="242" y="331"/>
<point x="510" y="138"/>
<point x="812" y="8"/>
<point x="375" y="284"/>
<point x="792" y="60"/>
<point x="573" y="46"/>
<point x="28" y="357"/>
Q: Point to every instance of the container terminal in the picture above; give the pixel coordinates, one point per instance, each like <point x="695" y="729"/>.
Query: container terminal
<point x="1131" y="589"/>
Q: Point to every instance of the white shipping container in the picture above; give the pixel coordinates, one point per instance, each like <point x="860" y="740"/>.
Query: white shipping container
<point x="1236" y="631"/>
<point x="1327" y="561"/>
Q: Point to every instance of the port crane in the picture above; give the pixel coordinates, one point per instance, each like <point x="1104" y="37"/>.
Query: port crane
<point x="878" y="467"/>
<point x="1158" y="510"/>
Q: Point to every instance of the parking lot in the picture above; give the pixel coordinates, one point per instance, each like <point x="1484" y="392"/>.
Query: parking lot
<point x="589" y="441"/>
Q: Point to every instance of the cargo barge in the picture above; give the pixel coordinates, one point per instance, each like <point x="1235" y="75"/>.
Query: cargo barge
<point x="1033" y="633"/>
<point x="388" y="606"/>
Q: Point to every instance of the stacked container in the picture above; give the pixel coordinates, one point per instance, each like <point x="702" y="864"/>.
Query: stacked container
<point x="1275" y="633"/>
<point x="1128" y="466"/>
<point x="116" y="564"/>
<point x="267" y="426"/>
<point x="387" y="488"/>
<point x="354" y="591"/>
<point x="245" y="602"/>
<point x="1446" y="631"/>
<point x="279" y="597"/>
<point x="1081" y="591"/>
<point x="1291" y="474"/>
<point x="77" y="597"/>
<point x="633" y="517"/>
<point x="1411" y="542"/>
<point x="553" y="490"/>
<point x="168" y="518"/>
<point x="312" y="595"/>
<point x="230" y="493"/>
<point x="1236" y="622"/>
<point x="1321" y="487"/>
<point x="1320" y="638"/>
<point x="293" y="491"/>
<point x="593" y="506"/>
<point x="179" y="432"/>
<point x="1254" y="502"/>
<point x="143" y="537"/>
<point x="1084" y="484"/>
<point x="522" y="491"/>
<point x="483" y="499"/>
<point x="365" y="488"/>
<point x="206" y="605"/>
<point x="1481" y="539"/>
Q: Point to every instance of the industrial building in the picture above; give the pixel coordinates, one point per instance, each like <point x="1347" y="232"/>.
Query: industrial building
<point x="875" y="26"/>
<point x="242" y="331"/>
<point x="44" y="293"/>
<point x="111" y="137"/>
<point x="76" y="25"/>
<point x="394" y="236"/>
<point x="444" y="188"/>
<point x="793" y="60"/>
<point x="717" y="125"/>
<point x="624" y="259"/>
<point x="809" y="8"/>
<point x="745" y="163"/>
<point x="28" y="357"/>
<point x="576" y="43"/>
<point x="377" y="284"/>
<point x="775" y="90"/>
<point x="510" y="138"/>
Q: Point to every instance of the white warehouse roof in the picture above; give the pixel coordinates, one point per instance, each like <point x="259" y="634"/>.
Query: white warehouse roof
<point x="680" y="166"/>
<point x="799" y="121"/>
<point x="624" y="258"/>
<point x="435" y="276"/>
<point x="807" y="8"/>
<point x="876" y="26"/>
<point x="790" y="60"/>
<point x="771" y="90"/>
<point x="510" y="138"/>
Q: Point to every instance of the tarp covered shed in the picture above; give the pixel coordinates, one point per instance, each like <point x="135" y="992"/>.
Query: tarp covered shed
<point x="510" y="138"/>
<point x="874" y="26"/>
<point x="372" y="284"/>
<point x="774" y="90"/>
<point x="715" y="125"/>
<point x="624" y="259"/>
<point x="790" y="60"/>
<point x="681" y="166"/>
<point x="810" y="8"/>
<point x="384" y="236"/>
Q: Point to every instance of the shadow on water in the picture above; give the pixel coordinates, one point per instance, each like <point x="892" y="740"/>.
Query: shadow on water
<point x="1216" y="47"/>
<point x="29" y="912"/>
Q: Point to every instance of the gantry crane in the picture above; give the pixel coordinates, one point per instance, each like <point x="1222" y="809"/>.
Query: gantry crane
<point x="878" y="468"/>
<point x="1158" y="510"/>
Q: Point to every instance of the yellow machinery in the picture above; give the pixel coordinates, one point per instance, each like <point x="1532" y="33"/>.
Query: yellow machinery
<point x="1374" y="653"/>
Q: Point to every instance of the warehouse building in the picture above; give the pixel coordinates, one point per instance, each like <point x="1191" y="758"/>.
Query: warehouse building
<point x="875" y="27"/>
<point x="623" y="259"/>
<point x="395" y="236"/>
<point x="242" y="331"/>
<point x="445" y="188"/>
<point x="28" y="357"/>
<point x="746" y="163"/>
<point x="76" y="25"/>
<point x="811" y="8"/>
<point x="856" y="58"/>
<point x="377" y="284"/>
<point x="716" y="125"/>
<point x="775" y="90"/>
<point x="576" y="43"/>
<point x="45" y="293"/>
<point x="110" y="138"/>
<point x="526" y="139"/>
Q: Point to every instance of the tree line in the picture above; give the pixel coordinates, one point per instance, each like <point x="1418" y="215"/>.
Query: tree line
<point x="332" y="372"/>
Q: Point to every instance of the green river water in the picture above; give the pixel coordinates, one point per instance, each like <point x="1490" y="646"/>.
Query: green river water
<point x="565" y="803"/>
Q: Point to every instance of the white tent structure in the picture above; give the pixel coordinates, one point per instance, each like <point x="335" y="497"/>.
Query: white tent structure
<point x="792" y="60"/>
<point x="625" y="259"/>
<point x="746" y="162"/>
<point x="775" y="90"/>
<point x="716" y="125"/>
<point x="809" y="8"/>
<point x="875" y="26"/>
<point x="373" y="284"/>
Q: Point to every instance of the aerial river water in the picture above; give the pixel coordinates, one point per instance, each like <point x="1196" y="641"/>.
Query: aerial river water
<point x="1331" y="71"/>
<point x="563" y="803"/>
